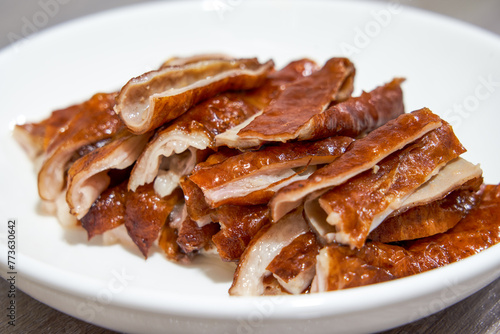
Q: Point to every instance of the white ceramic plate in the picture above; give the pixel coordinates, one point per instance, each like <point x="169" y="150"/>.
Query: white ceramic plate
<point x="450" y="67"/>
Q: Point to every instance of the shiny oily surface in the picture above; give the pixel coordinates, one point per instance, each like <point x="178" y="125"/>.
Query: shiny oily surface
<point x="69" y="273"/>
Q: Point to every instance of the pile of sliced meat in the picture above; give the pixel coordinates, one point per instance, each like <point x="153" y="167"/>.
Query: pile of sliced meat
<point x="282" y="171"/>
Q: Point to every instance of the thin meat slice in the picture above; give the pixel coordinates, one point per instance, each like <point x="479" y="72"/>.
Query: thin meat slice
<point x="340" y="267"/>
<point x="357" y="115"/>
<point x="35" y="138"/>
<point x="362" y="155"/>
<point x="88" y="176"/>
<point x="107" y="212"/>
<point x="154" y="98"/>
<point x="239" y="224"/>
<point x="451" y="177"/>
<point x="295" y="266"/>
<point x="283" y="120"/>
<point x="145" y="215"/>
<point x="431" y="218"/>
<point x="359" y="205"/>
<point x="254" y="176"/>
<point x="171" y="153"/>
<point x="420" y="220"/>
<point x="94" y="122"/>
<point x="264" y="247"/>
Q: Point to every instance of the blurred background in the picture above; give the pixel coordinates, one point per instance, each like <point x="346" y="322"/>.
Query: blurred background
<point x="20" y="18"/>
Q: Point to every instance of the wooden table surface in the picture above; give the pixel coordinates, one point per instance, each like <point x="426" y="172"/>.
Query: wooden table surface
<point x="479" y="313"/>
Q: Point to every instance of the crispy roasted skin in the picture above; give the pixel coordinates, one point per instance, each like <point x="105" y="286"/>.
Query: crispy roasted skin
<point x="172" y="90"/>
<point x="95" y="121"/>
<point x="209" y="118"/>
<point x="358" y="202"/>
<point x="192" y="238"/>
<point x="88" y="176"/>
<point x="196" y="206"/>
<point x="36" y="137"/>
<point x="168" y="243"/>
<point x="362" y="155"/>
<point x="267" y="160"/>
<point x="300" y="101"/>
<point x="107" y="212"/>
<point x="378" y="262"/>
<point x="145" y="215"/>
<point x="239" y="225"/>
<point x="295" y="258"/>
<point x="429" y="219"/>
<point x="357" y="115"/>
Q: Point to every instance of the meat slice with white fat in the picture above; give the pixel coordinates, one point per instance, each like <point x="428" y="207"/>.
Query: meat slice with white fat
<point x="340" y="267"/>
<point x="295" y="266"/>
<point x="88" y="176"/>
<point x="437" y="216"/>
<point x="264" y="247"/>
<point x="362" y="155"/>
<point x="94" y="123"/>
<point x="253" y="177"/>
<point x="455" y="175"/>
<point x="359" y="205"/>
<point x="154" y="98"/>
<point x="172" y="152"/>
<point x="282" y="120"/>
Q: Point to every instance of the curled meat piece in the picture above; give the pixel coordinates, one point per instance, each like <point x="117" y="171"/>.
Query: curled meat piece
<point x="264" y="247"/>
<point x="171" y="153"/>
<point x="362" y="155"/>
<point x="253" y="177"/>
<point x="88" y="176"/>
<point x="359" y="205"/>
<point x="36" y="137"/>
<point x="154" y="98"/>
<point x="340" y="267"/>
<point x="94" y="122"/>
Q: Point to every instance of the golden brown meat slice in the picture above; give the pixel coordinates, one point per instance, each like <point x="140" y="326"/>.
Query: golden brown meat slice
<point x="357" y="115"/>
<point x="196" y="207"/>
<point x="154" y="98"/>
<point x="192" y="238"/>
<point x="362" y="155"/>
<point x="146" y="213"/>
<point x="171" y="153"/>
<point x="295" y="266"/>
<point x="457" y="174"/>
<point x="283" y="120"/>
<point x="262" y="97"/>
<point x="253" y="177"/>
<point x="262" y="249"/>
<point x="359" y="205"/>
<point x="239" y="224"/>
<point x="340" y="267"/>
<point x="94" y="122"/>
<point x="168" y="243"/>
<point x="36" y="137"/>
<point x="429" y="219"/>
<point x="88" y="176"/>
<point x="107" y="212"/>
